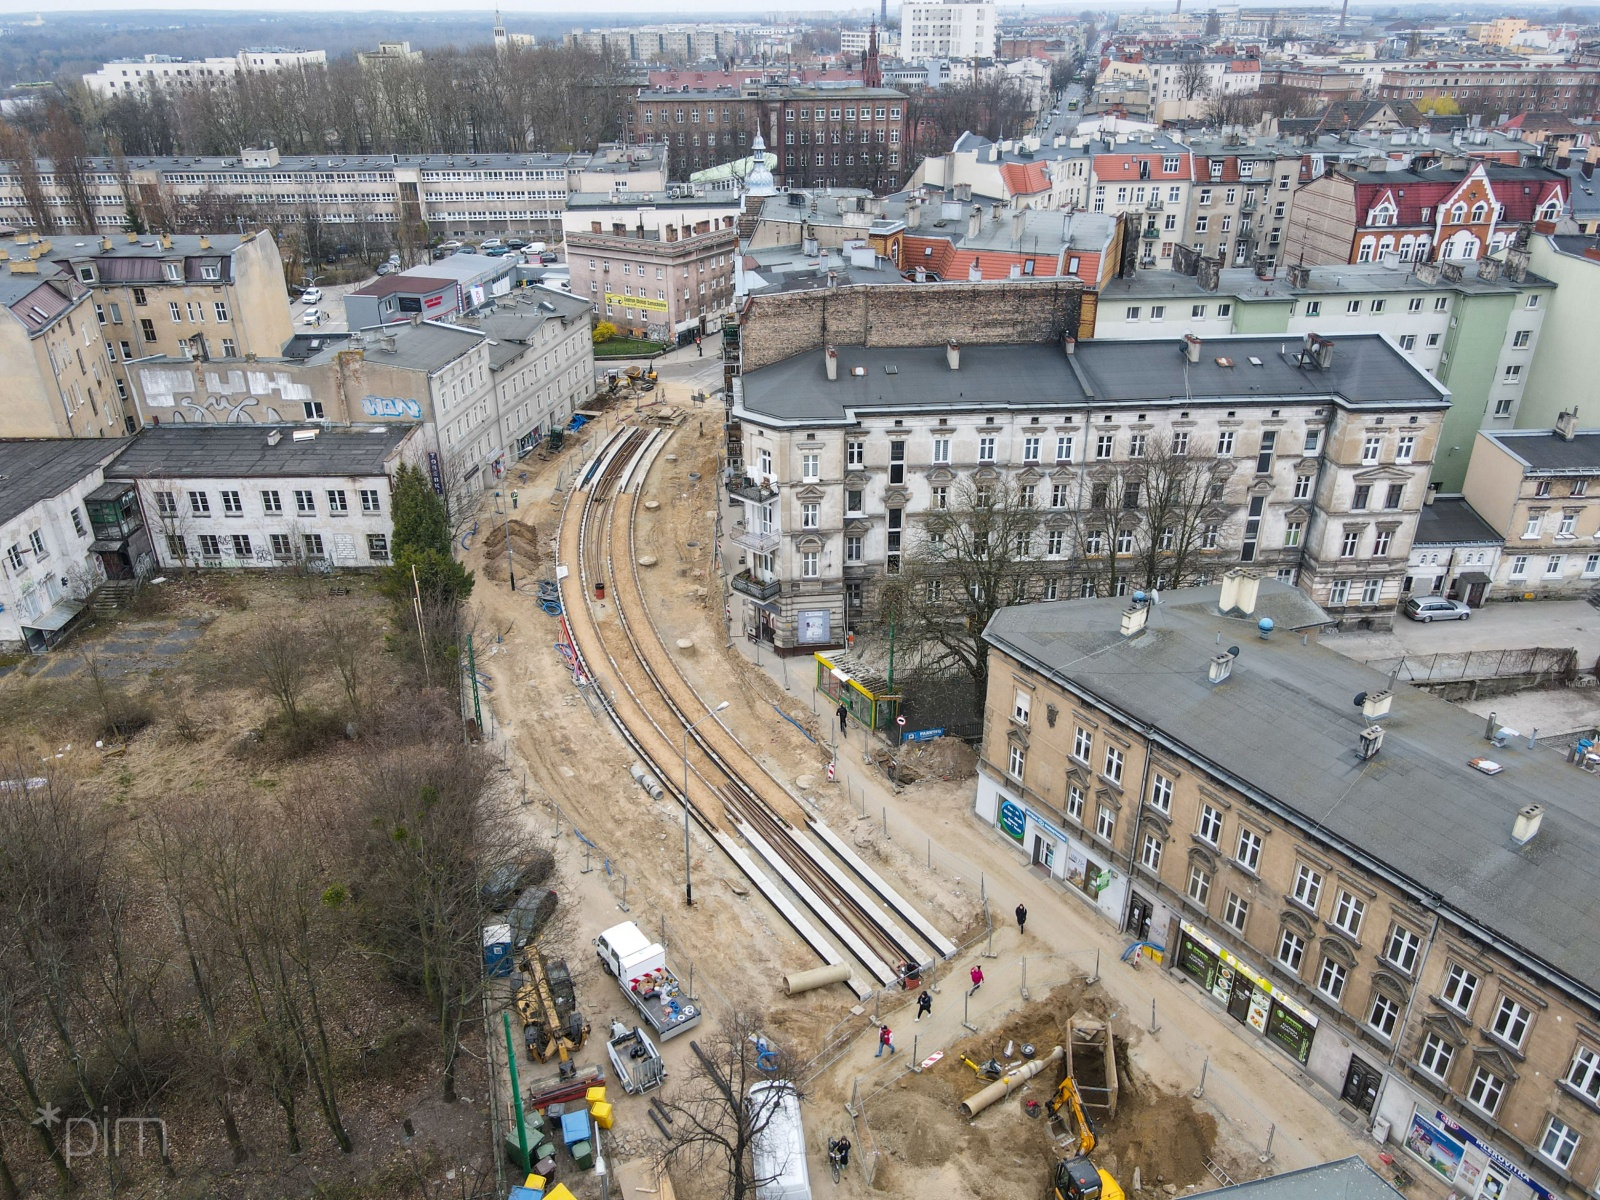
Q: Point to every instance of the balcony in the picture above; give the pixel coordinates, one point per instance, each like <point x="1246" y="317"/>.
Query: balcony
<point x="1154" y="206"/>
<point x="753" y="587"/>
<point x="1151" y="234"/>
<point x="746" y="488"/>
<point x="761" y="540"/>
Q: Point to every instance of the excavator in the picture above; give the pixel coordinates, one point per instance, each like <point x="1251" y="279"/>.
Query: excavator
<point x="551" y="1025"/>
<point x="1077" y="1178"/>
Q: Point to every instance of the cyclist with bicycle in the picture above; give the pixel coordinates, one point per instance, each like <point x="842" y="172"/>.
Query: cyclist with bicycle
<point x="839" y="1153"/>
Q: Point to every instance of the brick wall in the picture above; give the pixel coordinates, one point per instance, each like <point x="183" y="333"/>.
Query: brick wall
<point x="779" y="326"/>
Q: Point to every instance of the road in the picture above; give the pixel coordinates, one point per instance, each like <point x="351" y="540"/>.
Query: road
<point x="679" y="371"/>
<point x="1065" y="121"/>
<point x="1510" y="626"/>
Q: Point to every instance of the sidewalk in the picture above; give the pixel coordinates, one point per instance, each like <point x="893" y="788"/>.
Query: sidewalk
<point x="1243" y="1076"/>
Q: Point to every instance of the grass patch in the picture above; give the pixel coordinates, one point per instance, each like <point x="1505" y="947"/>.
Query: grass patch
<point x="620" y="347"/>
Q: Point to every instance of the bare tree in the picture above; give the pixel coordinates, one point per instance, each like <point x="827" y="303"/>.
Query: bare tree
<point x="69" y="160"/>
<point x="347" y="643"/>
<point x="964" y="563"/>
<point x="715" y="1127"/>
<point x="17" y="148"/>
<point x="279" y="656"/>
<point x="1192" y="82"/>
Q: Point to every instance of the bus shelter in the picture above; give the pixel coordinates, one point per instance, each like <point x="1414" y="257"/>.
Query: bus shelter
<point x="867" y="697"/>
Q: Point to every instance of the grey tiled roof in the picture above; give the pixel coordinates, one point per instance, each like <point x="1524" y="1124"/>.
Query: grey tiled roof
<point x="36" y="469"/>
<point x="1283" y="728"/>
<point x="1544" y="452"/>
<point x="1451" y="521"/>
<point x="243" y="451"/>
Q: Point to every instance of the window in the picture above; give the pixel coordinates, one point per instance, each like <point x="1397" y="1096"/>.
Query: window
<point x="1513" y="373"/>
<point x="1291" y="950"/>
<point x="77" y="524"/>
<point x="1384" y="1015"/>
<point x="1408" y="341"/>
<point x="221" y="310"/>
<point x="1414" y="304"/>
<point x="1339" y="593"/>
<point x="1225" y="444"/>
<point x="810" y="467"/>
<point x="210" y="546"/>
<point x="1584" y="1073"/>
<point x="1236" y="912"/>
<point x="1202" y="224"/>
<point x="1030" y="449"/>
<point x="1568" y="526"/>
<point x="1533" y="302"/>
<point x="1133" y="313"/>
<point x="1292" y="533"/>
<point x="1180" y="442"/>
<point x="1552" y="566"/>
<point x="1580" y="487"/>
<point x="1380" y="545"/>
<point x="986" y="448"/>
<point x="1435" y="1055"/>
<point x="1075" y="803"/>
<point x="1486" y="1090"/>
<point x="1197" y="310"/>
<point x="147" y="329"/>
<point x="897" y="462"/>
<point x="1352" y="306"/>
<point x="232" y="504"/>
<point x="1150" y="851"/>
<point x="1082" y="745"/>
<point x="1105" y="445"/>
<point x="1019" y="760"/>
<point x="1351" y="542"/>
<point x="1519" y="566"/>
<point x="1347" y="913"/>
<point x="1020" y="707"/>
<point x="1372" y="449"/>
<point x="1363" y="496"/>
<point x="852" y="548"/>
<point x="1063" y="449"/>
<point x="1199" y="888"/>
<point x="1161" y="794"/>
<point x="810" y="515"/>
<point x="1210" y="829"/>
<point x="1054" y="541"/>
<point x="281" y="546"/>
<point x="338" y="503"/>
<point x="1313" y="308"/>
<point x="305" y="503"/>
<point x="1511" y="1022"/>
<point x="313" y="544"/>
<point x="1521" y="338"/>
<point x="1105" y="823"/>
<point x="1307" y="885"/>
<point x="1396" y="493"/>
<point x="1433" y="339"/>
<point x="1248" y="854"/>
<point x="810" y="562"/>
<point x="1331" y="978"/>
<point x="175" y="312"/>
<point x="1158" y="312"/>
<point x="855" y="454"/>
<point x="1559" y="1142"/>
<point x="369" y="500"/>
<point x="199" y="504"/>
<point x="1403" y="948"/>
<point x="241" y="545"/>
<point x="1114" y="762"/>
<point x="939" y="494"/>
<point x="176" y="546"/>
<point x="167" y="504"/>
<point x="1302" y="487"/>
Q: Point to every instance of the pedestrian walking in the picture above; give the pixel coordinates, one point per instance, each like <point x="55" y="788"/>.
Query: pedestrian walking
<point x="1022" y="916"/>
<point x="885" y="1041"/>
<point x="699" y="347"/>
<point x="924" y="1006"/>
<point x="977" y="979"/>
<point x="841" y="712"/>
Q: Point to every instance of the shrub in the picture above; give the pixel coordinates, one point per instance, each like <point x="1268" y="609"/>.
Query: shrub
<point x="604" y="332"/>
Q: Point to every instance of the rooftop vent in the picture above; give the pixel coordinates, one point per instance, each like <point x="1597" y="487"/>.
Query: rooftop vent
<point x="1567" y="424"/>
<point x="274" y="437"/>
<point x="305" y="435"/>
<point x="1134" y="618"/>
<point x="1527" y="824"/>
<point x="952" y="354"/>
<point x="1371" y="741"/>
<point x="858" y="371"/>
<point x="1374" y="704"/>
<point x="1224" y="362"/>
<point x="1222" y="665"/>
<point x="1191" y="347"/>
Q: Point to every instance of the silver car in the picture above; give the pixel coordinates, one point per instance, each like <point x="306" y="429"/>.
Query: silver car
<point x="1436" y="608"/>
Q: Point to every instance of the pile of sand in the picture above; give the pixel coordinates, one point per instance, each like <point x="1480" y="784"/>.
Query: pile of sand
<point x="525" y="548"/>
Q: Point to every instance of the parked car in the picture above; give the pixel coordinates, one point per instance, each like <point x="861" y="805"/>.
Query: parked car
<point x="1436" y="608"/>
<point x="312" y="295"/>
<point x="516" y="243"/>
<point x="498" y="251"/>
<point x="547" y="257"/>
<point x="312" y="316"/>
<point x="451" y="245"/>
<point x="492" y="243"/>
<point x="384" y="268"/>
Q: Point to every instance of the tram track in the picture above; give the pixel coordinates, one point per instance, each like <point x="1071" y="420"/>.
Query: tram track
<point x="727" y="791"/>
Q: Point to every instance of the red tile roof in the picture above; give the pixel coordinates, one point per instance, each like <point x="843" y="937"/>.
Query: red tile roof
<point x="1024" y="179"/>
<point x="1123" y="167"/>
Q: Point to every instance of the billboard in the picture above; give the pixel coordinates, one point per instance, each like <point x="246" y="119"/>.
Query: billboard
<point x="640" y="302"/>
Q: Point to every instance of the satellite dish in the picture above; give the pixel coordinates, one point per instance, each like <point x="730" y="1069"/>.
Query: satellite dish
<point x="1361" y="698"/>
<point x="1233" y="652"/>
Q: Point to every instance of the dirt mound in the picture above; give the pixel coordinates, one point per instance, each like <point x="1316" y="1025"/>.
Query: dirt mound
<point x="525" y="548"/>
<point x="945" y="758"/>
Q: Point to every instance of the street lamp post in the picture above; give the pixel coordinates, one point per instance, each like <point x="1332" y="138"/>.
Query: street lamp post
<point x="688" y="884"/>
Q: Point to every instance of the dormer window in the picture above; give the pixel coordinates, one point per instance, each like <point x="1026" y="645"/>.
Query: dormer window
<point x="86" y="274"/>
<point x="210" y="271"/>
<point x="173" y="271"/>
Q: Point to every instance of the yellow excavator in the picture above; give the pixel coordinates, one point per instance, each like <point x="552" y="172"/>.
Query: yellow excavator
<point x="1077" y="1178"/>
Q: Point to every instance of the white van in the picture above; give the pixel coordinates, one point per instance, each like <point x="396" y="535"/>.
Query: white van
<point x="778" y="1152"/>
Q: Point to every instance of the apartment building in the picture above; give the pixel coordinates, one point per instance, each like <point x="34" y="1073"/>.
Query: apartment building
<point x="1027" y="172"/>
<point x="62" y="534"/>
<point x="1535" y="488"/>
<point x="1564" y="367"/>
<point x="1436" y="212"/>
<point x="1150" y="178"/>
<point x="1455" y="553"/>
<point x="1510" y="85"/>
<point x="136" y="76"/>
<point x="948" y="29"/>
<point x="1325" y="447"/>
<point x="250" y="496"/>
<point x="1348" y="888"/>
<point x="1476" y="327"/>
<point x="655" y="265"/>
<point x="485" y="389"/>
<point x="836" y="135"/>
<point x="1183" y="89"/>
<point x="459" y="195"/>
<point x="61" y="380"/>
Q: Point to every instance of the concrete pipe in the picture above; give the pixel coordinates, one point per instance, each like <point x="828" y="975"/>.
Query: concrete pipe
<point x="804" y="981"/>
<point x="645" y="780"/>
<point x="1006" y="1084"/>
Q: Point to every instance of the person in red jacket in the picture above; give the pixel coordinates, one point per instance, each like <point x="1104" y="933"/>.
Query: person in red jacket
<point x="977" y="979"/>
<point x="885" y="1042"/>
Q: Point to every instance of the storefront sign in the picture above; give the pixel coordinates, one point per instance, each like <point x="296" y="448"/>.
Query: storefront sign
<point x="643" y="303"/>
<point x="1012" y="819"/>
<point x="434" y="474"/>
<point x="1434" y="1147"/>
<point x="1290" y="1032"/>
<point x="1502" y="1179"/>
<point x="478" y="295"/>
<point x="1262" y="984"/>
<point x="433" y="301"/>
<point x="812" y="627"/>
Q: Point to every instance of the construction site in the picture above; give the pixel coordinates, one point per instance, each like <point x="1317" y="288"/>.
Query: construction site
<point x="689" y="791"/>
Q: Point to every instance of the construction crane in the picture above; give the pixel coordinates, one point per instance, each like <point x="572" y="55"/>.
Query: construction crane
<point x="1067" y="1097"/>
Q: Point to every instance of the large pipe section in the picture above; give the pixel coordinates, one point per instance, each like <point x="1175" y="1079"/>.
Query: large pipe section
<point x="803" y="981"/>
<point x="1008" y="1083"/>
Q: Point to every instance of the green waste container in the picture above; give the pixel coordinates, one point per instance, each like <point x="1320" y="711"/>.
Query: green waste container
<point x="583" y="1155"/>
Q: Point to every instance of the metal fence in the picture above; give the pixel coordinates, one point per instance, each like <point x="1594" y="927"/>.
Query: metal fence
<point x="1543" y="663"/>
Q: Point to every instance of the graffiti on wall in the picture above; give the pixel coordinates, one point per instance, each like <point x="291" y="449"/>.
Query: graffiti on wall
<point x="221" y="397"/>
<point x="391" y="406"/>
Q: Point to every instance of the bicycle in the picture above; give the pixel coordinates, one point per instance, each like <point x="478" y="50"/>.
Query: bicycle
<point x="838" y="1155"/>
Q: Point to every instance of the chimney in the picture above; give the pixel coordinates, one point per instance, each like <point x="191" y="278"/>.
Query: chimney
<point x="205" y="242"/>
<point x="952" y="354"/>
<point x="1239" y="589"/>
<point x="1221" y="667"/>
<point x="1208" y="273"/>
<point x="1134" y="618"/>
<point x="1299" y="275"/>
<point x="1070" y="345"/>
<point x="1018" y="221"/>
<point x="1320" y="350"/>
<point x="1431" y="494"/>
<point x="1376" y="704"/>
<point x="830" y="356"/>
<point x="166" y="241"/>
<point x="975" y="272"/>
<point x="975" y="220"/>
<point x="105" y="243"/>
<point x="1567" y="424"/>
<point x="1371" y="741"/>
<point x="133" y="238"/>
<point x="1527" y="823"/>
<point x="1191" y="347"/>
<point x="416" y="318"/>
<point x="274" y="437"/>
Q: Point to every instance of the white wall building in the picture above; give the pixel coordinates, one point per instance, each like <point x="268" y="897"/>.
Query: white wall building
<point x="948" y="30"/>
<point x="125" y="77"/>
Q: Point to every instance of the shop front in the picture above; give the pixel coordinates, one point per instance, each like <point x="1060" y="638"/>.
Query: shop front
<point x="1085" y="869"/>
<point x="1473" y="1168"/>
<point x="1249" y="997"/>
